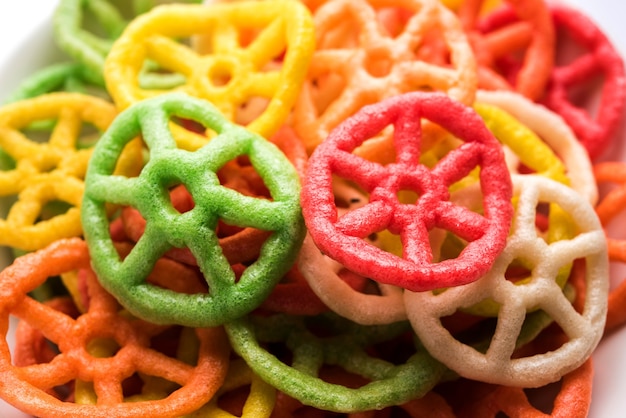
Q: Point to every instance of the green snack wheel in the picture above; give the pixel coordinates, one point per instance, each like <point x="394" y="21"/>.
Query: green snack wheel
<point x="76" y="27"/>
<point x="168" y="166"/>
<point x="67" y="76"/>
<point x="346" y="347"/>
<point x="78" y="42"/>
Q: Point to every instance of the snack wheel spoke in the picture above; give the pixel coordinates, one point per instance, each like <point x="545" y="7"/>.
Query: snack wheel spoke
<point x="500" y="40"/>
<point x="126" y="189"/>
<point x="46" y="376"/>
<point x="54" y="324"/>
<point x="239" y="209"/>
<point x="577" y="247"/>
<point x="154" y="363"/>
<point x="67" y="129"/>
<point x="266" y="45"/>
<point x="329" y="59"/>
<point x="354" y="167"/>
<point x="166" y="228"/>
<point x="583" y="329"/>
<point x="162" y="49"/>
<point x="437" y="77"/>
<point x="474" y="225"/>
<point x="28" y="347"/>
<point x="352" y="224"/>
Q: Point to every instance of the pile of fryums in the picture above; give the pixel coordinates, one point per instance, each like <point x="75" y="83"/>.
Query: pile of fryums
<point x="283" y="208"/>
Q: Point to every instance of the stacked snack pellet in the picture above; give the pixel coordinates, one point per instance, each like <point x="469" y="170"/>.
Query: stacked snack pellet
<point x="284" y="208"/>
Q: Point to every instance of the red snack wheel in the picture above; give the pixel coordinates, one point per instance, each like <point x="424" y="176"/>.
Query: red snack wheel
<point x="601" y="58"/>
<point x="343" y="238"/>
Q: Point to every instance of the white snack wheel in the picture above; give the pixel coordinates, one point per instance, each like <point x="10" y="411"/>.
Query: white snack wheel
<point x="425" y="309"/>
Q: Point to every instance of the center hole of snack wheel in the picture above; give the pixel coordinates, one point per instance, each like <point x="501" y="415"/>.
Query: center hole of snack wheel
<point x="519" y="272"/>
<point x="221" y="73"/>
<point x="407" y="196"/>
<point x="378" y="62"/>
<point x="52" y="208"/>
<point x="102" y="347"/>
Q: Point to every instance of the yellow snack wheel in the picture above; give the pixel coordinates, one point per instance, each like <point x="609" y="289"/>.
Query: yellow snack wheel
<point x="44" y="171"/>
<point x="254" y="51"/>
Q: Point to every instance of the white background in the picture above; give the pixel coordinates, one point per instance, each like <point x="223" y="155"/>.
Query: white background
<point x="26" y="44"/>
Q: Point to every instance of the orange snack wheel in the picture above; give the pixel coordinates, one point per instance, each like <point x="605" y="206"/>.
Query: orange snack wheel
<point x="360" y="60"/>
<point x="26" y="387"/>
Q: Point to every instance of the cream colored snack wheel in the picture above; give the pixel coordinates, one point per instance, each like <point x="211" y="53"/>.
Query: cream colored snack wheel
<point x="584" y="330"/>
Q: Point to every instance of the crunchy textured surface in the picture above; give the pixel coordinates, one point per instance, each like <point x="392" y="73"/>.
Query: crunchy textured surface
<point x="50" y="170"/>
